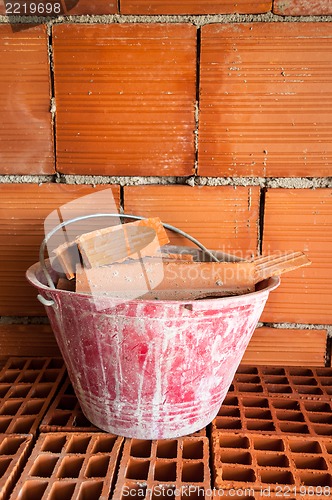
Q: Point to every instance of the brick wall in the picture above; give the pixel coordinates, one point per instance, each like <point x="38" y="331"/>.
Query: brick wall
<point x="215" y="116"/>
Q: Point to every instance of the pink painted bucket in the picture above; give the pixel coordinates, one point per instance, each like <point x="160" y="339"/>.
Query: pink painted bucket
<point x="151" y="369"/>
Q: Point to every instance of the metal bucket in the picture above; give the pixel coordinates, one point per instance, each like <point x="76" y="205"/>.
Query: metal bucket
<point x="150" y="369"/>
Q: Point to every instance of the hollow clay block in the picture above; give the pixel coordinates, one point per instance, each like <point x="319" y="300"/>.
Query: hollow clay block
<point x="113" y="244"/>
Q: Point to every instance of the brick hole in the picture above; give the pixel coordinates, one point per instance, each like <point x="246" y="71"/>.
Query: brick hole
<point x="300" y="446"/>
<point x="260" y="425"/>
<point x="272" y="460"/>
<point x="231" y="400"/>
<point x="10" y="407"/>
<point x="294" y="416"/>
<point x="323" y="430"/>
<point x="328" y="390"/>
<point x="318" y="418"/>
<point x="240" y="442"/>
<point x="229" y="411"/>
<point x="69" y="390"/>
<point x="276" y="476"/>
<point x="228" y="423"/>
<point x="231" y="388"/>
<point x="268" y="444"/>
<point x="60" y="419"/>
<point x="302" y="389"/>
<point x="80" y="420"/>
<point x="248" y="379"/>
<point x="167" y="449"/>
<point x="42" y="391"/>
<point x="67" y="403"/>
<point x="163" y="491"/>
<point x="70" y="467"/>
<point x="324" y="372"/>
<point x="23" y="425"/>
<point x="286" y="404"/>
<point x="315" y="479"/>
<point x="193" y="449"/>
<point x="165" y="471"/>
<point x="54" y="444"/>
<point x="29" y="376"/>
<point x="4" y="423"/>
<point x="62" y="491"/>
<point x="192" y="472"/>
<point x="300" y="372"/>
<point x="279" y="389"/>
<point x="33" y="490"/>
<point x="294" y="427"/>
<point x="326" y="381"/>
<point x="17" y="364"/>
<point x="90" y="490"/>
<point x="4" y="464"/>
<point x="10" y="445"/>
<point x="257" y="413"/>
<point x="317" y="406"/>
<point x="141" y="448"/>
<point x="49" y="376"/>
<point x="78" y="444"/>
<point x="271" y="370"/>
<point x="137" y="469"/>
<point x="97" y="466"/>
<point x="44" y="466"/>
<point x="276" y="380"/>
<point x="250" y="388"/>
<point x="238" y="474"/>
<point x="329" y="447"/>
<point x="133" y="491"/>
<point x="249" y="370"/>
<point x="32" y="407"/>
<point x="307" y="462"/>
<point x="36" y="364"/>
<point x="20" y="392"/>
<point x="304" y="381"/>
<point x="104" y="444"/>
<point x="55" y="363"/>
<point x="236" y="457"/>
<point x="9" y="376"/>
<point x="255" y="402"/>
<point x="4" y="389"/>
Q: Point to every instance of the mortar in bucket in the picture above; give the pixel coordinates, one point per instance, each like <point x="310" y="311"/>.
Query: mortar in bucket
<point x="149" y="369"/>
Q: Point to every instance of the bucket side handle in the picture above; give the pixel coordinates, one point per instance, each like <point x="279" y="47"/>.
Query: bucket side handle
<point x="44" y="301"/>
<point x="91" y="216"/>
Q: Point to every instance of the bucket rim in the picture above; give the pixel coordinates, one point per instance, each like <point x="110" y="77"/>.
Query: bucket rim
<point x="265" y="286"/>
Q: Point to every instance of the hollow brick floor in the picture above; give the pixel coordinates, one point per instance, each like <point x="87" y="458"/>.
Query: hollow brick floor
<point x="272" y="438"/>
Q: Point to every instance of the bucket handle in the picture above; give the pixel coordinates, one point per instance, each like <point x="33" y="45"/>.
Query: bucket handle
<point x="46" y="302"/>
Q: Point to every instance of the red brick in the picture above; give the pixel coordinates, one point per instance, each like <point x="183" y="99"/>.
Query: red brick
<point x="172" y="464"/>
<point x="125" y="98"/>
<point x="302" y="7"/>
<point x="60" y="7"/>
<point x="246" y="461"/>
<point x="265" y="100"/>
<point x="27" y="340"/>
<point x="292" y="347"/>
<point x="296" y="383"/>
<point x="300" y="220"/>
<point x="223" y="218"/>
<point x="14" y="450"/>
<point x="27" y="387"/>
<point x="194" y="7"/>
<point x="26" y="122"/>
<point x="270" y="412"/>
<point x="23" y="209"/>
<point x="70" y="465"/>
